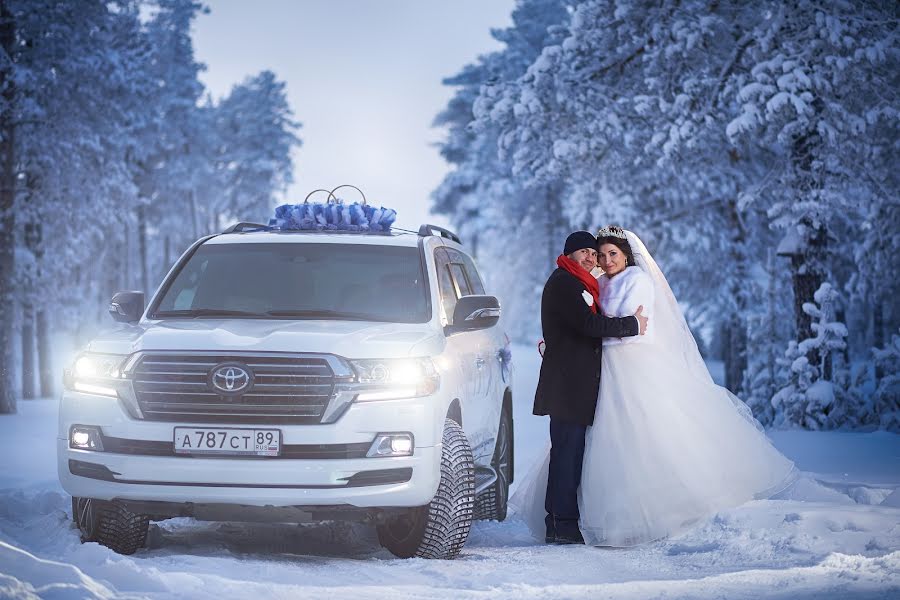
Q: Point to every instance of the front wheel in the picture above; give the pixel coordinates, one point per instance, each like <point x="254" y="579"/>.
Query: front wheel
<point x="440" y="528"/>
<point x="110" y="524"/>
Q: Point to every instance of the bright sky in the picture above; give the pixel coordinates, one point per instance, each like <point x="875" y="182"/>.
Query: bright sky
<point x="363" y="77"/>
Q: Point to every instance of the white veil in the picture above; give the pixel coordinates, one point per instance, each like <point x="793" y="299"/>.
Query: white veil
<point x="670" y="329"/>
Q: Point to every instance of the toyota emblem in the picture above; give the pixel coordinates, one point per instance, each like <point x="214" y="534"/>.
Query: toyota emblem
<point x="230" y="378"/>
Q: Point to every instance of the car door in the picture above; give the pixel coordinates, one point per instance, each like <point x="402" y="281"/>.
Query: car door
<point x="478" y="357"/>
<point x="462" y="347"/>
<point x="492" y="380"/>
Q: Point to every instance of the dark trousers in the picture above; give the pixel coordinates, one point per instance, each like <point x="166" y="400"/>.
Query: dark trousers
<point x="566" y="454"/>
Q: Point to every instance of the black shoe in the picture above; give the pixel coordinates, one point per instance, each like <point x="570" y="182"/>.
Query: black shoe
<point x="565" y="539"/>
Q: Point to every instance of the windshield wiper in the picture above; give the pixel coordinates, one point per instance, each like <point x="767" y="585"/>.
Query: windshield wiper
<point x="207" y="312"/>
<point x="326" y="314"/>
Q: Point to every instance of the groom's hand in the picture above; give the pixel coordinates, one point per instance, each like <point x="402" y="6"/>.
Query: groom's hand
<point x="642" y="320"/>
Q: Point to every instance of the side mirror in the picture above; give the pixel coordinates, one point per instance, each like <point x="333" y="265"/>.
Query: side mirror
<point x="127" y="307"/>
<point x="476" y="312"/>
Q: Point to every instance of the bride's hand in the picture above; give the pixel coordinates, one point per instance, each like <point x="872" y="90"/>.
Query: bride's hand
<point x="642" y="320"/>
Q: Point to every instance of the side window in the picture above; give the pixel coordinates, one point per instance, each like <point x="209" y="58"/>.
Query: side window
<point x="460" y="281"/>
<point x="472" y="272"/>
<point x="457" y="277"/>
<point x="445" y="283"/>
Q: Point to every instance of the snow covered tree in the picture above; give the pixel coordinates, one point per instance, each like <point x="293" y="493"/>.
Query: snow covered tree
<point x="820" y="87"/>
<point x="818" y="395"/>
<point x="103" y="147"/>
<point x="7" y="201"/>
<point x="173" y="146"/>
<point x="766" y="328"/>
<point x="69" y="114"/>
<point x="256" y="134"/>
<point x="719" y="133"/>
<point x="885" y="406"/>
<point x="790" y="403"/>
<point x="627" y="110"/>
<point x="483" y="197"/>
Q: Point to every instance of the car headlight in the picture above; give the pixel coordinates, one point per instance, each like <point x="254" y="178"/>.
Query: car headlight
<point x="395" y="378"/>
<point x="94" y="373"/>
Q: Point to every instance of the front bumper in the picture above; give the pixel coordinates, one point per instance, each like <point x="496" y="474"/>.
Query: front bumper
<point x="278" y="482"/>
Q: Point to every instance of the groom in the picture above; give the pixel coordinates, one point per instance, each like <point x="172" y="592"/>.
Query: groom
<point x="570" y="374"/>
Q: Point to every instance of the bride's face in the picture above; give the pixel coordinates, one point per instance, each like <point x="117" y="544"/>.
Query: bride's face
<point x="611" y="259"/>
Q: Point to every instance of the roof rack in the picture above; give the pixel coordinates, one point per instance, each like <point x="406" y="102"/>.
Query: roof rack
<point x="427" y="229"/>
<point x="246" y="226"/>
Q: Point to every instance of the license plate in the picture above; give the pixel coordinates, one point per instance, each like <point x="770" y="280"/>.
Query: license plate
<point x="227" y="440"/>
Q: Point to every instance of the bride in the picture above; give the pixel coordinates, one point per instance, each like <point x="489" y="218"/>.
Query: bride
<point x="668" y="446"/>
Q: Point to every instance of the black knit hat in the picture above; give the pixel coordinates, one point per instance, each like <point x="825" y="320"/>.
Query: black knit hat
<point x="578" y="240"/>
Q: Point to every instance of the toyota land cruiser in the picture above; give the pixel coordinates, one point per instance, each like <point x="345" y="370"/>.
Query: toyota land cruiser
<point x="297" y="376"/>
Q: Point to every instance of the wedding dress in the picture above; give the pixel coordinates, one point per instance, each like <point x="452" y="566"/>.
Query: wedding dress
<point x="668" y="446"/>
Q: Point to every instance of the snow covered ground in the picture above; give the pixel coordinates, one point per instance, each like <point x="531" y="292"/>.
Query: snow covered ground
<point x="836" y="533"/>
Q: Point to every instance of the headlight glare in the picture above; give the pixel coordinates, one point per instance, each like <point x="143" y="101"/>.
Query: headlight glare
<point x="95" y="373"/>
<point x="395" y="378"/>
<point x="90" y="366"/>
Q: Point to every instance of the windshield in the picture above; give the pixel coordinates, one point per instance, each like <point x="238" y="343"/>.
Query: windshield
<point x="299" y="281"/>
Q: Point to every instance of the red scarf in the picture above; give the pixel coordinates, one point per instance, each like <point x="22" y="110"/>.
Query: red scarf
<point x="564" y="262"/>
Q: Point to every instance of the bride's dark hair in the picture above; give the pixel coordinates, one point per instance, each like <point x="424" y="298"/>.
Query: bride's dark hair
<point x="615" y="235"/>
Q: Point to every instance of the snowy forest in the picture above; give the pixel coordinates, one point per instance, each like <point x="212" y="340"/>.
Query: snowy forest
<point x="752" y="145"/>
<point x="113" y="160"/>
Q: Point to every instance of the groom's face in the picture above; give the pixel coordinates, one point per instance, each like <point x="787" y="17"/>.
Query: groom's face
<point x="586" y="257"/>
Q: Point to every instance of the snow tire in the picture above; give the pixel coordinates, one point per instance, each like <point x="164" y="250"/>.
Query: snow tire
<point x="491" y="504"/>
<point x="439" y="529"/>
<point x="110" y="524"/>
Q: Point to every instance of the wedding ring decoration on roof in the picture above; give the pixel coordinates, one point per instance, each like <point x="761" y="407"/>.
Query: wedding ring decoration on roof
<point x="611" y="231"/>
<point x="333" y="215"/>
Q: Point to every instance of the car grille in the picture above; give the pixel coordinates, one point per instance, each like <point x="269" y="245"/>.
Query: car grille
<point x="286" y="389"/>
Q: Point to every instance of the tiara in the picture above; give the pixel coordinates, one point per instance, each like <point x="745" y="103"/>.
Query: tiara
<point x="611" y="231"/>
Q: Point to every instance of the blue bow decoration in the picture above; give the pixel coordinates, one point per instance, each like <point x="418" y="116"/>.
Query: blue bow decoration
<point x="315" y="216"/>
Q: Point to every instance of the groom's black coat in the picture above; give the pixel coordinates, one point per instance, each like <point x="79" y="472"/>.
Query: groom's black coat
<point x="570" y="372"/>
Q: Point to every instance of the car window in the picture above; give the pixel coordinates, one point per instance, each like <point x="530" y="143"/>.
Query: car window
<point x="303" y="281"/>
<point x="445" y="284"/>
<point x="475" y="284"/>
<point x="474" y="279"/>
<point x="460" y="281"/>
<point x="457" y="277"/>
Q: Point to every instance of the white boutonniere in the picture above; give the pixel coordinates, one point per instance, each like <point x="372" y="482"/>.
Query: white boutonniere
<point x="587" y="297"/>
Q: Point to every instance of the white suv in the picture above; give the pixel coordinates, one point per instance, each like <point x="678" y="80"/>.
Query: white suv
<point x="297" y="376"/>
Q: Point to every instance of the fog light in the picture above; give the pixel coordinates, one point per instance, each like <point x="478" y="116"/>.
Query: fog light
<point x="402" y="445"/>
<point x="391" y="444"/>
<point x="85" y="438"/>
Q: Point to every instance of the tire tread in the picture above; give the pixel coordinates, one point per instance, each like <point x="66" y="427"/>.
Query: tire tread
<point x="449" y="515"/>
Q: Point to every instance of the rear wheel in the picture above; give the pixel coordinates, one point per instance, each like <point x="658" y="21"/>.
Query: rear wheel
<point x="440" y="528"/>
<point x="110" y="524"/>
<point x="491" y="504"/>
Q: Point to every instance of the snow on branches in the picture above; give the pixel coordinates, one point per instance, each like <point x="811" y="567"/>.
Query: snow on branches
<point x="714" y="131"/>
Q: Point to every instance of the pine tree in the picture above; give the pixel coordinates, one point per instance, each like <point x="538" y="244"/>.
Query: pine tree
<point x="793" y="88"/>
<point x="256" y="134"/>
<point x="484" y="198"/>
<point x="68" y="115"/>
<point x="818" y="395"/>
<point x="7" y="201"/>
<point x="886" y="398"/>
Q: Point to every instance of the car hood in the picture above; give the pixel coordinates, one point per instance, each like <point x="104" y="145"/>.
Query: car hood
<point x="351" y="339"/>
